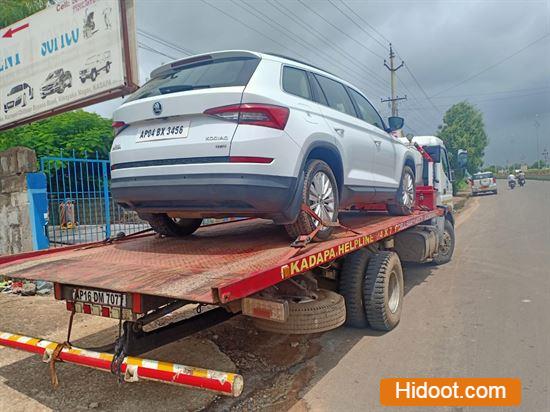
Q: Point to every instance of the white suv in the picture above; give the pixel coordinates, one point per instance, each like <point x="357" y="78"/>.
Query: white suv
<point x="240" y="133"/>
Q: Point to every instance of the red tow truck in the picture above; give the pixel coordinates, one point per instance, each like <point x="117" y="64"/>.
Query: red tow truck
<point x="243" y="267"/>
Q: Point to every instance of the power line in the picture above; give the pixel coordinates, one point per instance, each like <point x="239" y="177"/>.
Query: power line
<point x="284" y="46"/>
<point x="421" y="88"/>
<point x="150" y="49"/>
<point x="492" y="93"/>
<point x="165" y="42"/>
<point x="405" y="107"/>
<point x="285" y="11"/>
<point x="355" y="23"/>
<point x="494" y="99"/>
<point x="365" y="22"/>
<point x="341" y="31"/>
<point x="508" y="57"/>
<point x="297" y="39"/>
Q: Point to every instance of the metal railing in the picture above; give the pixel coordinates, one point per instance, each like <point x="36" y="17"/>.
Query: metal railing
<point x="80" y="206"/>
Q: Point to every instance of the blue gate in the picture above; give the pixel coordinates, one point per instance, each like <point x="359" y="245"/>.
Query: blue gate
<point x="80" y="207"/>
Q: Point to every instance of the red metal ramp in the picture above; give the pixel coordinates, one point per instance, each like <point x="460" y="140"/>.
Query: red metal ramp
<point x="218" y="263"/>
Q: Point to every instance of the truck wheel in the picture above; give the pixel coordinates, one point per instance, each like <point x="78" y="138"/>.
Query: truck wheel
<point x="320" y="193"/>
<point x="326" y="312"/>
<point x="406" y="195"/>
<point x="171" y="227"/>
<point x="383" y="291"/>
<point x="446" y="245"/>
<point x="107" y="67"/>
<point x="350" y="285"/>
<point x="93" y="75"/>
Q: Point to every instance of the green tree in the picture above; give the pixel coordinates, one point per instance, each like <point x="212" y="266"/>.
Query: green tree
<point x="463" y="128"/>
<point x="14" y="10"/>
<point x="78" y="130"/>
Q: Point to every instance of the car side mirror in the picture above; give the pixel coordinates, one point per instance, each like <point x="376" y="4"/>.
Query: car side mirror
<point x="395" y="123"/>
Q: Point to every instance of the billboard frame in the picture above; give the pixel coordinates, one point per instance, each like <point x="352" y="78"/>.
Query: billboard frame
<point x="131" y="80"/>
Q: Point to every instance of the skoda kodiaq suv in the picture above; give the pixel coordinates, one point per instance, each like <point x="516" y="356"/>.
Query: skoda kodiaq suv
<point x="240" y="133"/>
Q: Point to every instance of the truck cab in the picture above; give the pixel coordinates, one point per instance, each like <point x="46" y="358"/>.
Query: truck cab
<point x="439" y="176"/>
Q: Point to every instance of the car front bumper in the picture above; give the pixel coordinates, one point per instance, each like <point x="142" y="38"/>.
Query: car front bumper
<point x="212" y="195"/>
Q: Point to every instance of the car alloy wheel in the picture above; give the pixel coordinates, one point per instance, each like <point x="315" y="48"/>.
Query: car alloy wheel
<point x="408" y="191"/>
<point x="321" y="197"/>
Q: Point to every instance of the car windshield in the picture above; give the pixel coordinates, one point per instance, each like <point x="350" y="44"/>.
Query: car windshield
<point x="223" y="72"/>
<point x="52" y="75"/>
<point x="479" y="176"/>
<point x="14" y="90"/>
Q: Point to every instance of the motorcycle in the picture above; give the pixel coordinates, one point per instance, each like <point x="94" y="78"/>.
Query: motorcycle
<point x="521" y="181"/>
<point x="511" y="184"/>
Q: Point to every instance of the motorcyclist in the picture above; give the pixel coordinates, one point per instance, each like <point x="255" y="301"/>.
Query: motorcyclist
<point x="521" y="177"/>
<point x="511" y="180"/>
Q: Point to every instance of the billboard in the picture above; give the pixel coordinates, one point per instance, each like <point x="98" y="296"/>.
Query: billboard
<point x="71" y="54"/>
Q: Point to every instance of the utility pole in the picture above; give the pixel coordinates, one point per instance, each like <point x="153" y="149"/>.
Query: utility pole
<point x="545" y="154"/>
<point x="537" y="125"/>
<point x="394" y="98"/>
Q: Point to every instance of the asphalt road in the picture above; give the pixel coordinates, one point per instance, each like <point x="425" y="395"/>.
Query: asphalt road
<point x="485" y="314"/>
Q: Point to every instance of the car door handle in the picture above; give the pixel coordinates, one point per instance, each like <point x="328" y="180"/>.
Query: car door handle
<point x="339" y="131"/>
<point x="378" y="143"/>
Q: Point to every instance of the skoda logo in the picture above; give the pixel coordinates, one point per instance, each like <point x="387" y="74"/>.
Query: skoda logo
<point x="157" y="108"/>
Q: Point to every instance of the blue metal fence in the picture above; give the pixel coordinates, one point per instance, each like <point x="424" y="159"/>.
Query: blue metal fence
<point x="80" y="206"/>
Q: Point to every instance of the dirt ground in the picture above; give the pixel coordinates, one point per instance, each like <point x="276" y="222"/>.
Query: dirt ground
<point x="274" y="367"/>
<point x="277" y="369"/>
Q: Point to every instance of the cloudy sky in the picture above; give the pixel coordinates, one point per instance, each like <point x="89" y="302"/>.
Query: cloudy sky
<point x="495" y="54"/>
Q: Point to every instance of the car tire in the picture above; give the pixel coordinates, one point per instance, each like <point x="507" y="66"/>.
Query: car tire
<point x="383" y="291"/>
<point x="93" y="75"/>
<point x="170" y="227"/>
<point x="446" y="245"/>
<point x="326" y="312"/>
<point x="24" y="102"/>
<point x="316" y="173"/>
<point x="406" y="194"/>
<point x="107" y="67"/>
<point x="350" y="285"/>
<point x="83" y="80"/>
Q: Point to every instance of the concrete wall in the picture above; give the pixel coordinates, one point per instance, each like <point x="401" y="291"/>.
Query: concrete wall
<point x="15" y="227"/>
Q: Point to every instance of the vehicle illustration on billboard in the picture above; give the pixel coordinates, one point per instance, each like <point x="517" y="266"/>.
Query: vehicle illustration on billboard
<point x="94" y="65"/>
<point x="56" y="82"/>
<point x="18" y="96"/>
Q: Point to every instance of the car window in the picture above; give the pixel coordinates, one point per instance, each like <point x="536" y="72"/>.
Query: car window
<point x="487" y="175"/>
<point x="445" y="163"/>
<point x="336" y="95"/>
<point x="318" y="94"/>
<point x="366" y="111"/>
<point x="221" y="72"/>
<point x="295" y="82"/>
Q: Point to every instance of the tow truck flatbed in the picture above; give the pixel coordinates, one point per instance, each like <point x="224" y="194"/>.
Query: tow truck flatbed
<point x="218" y="264"/>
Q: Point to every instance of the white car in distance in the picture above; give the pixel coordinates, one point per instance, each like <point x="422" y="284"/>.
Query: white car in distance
<point x="240" y="133"/>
